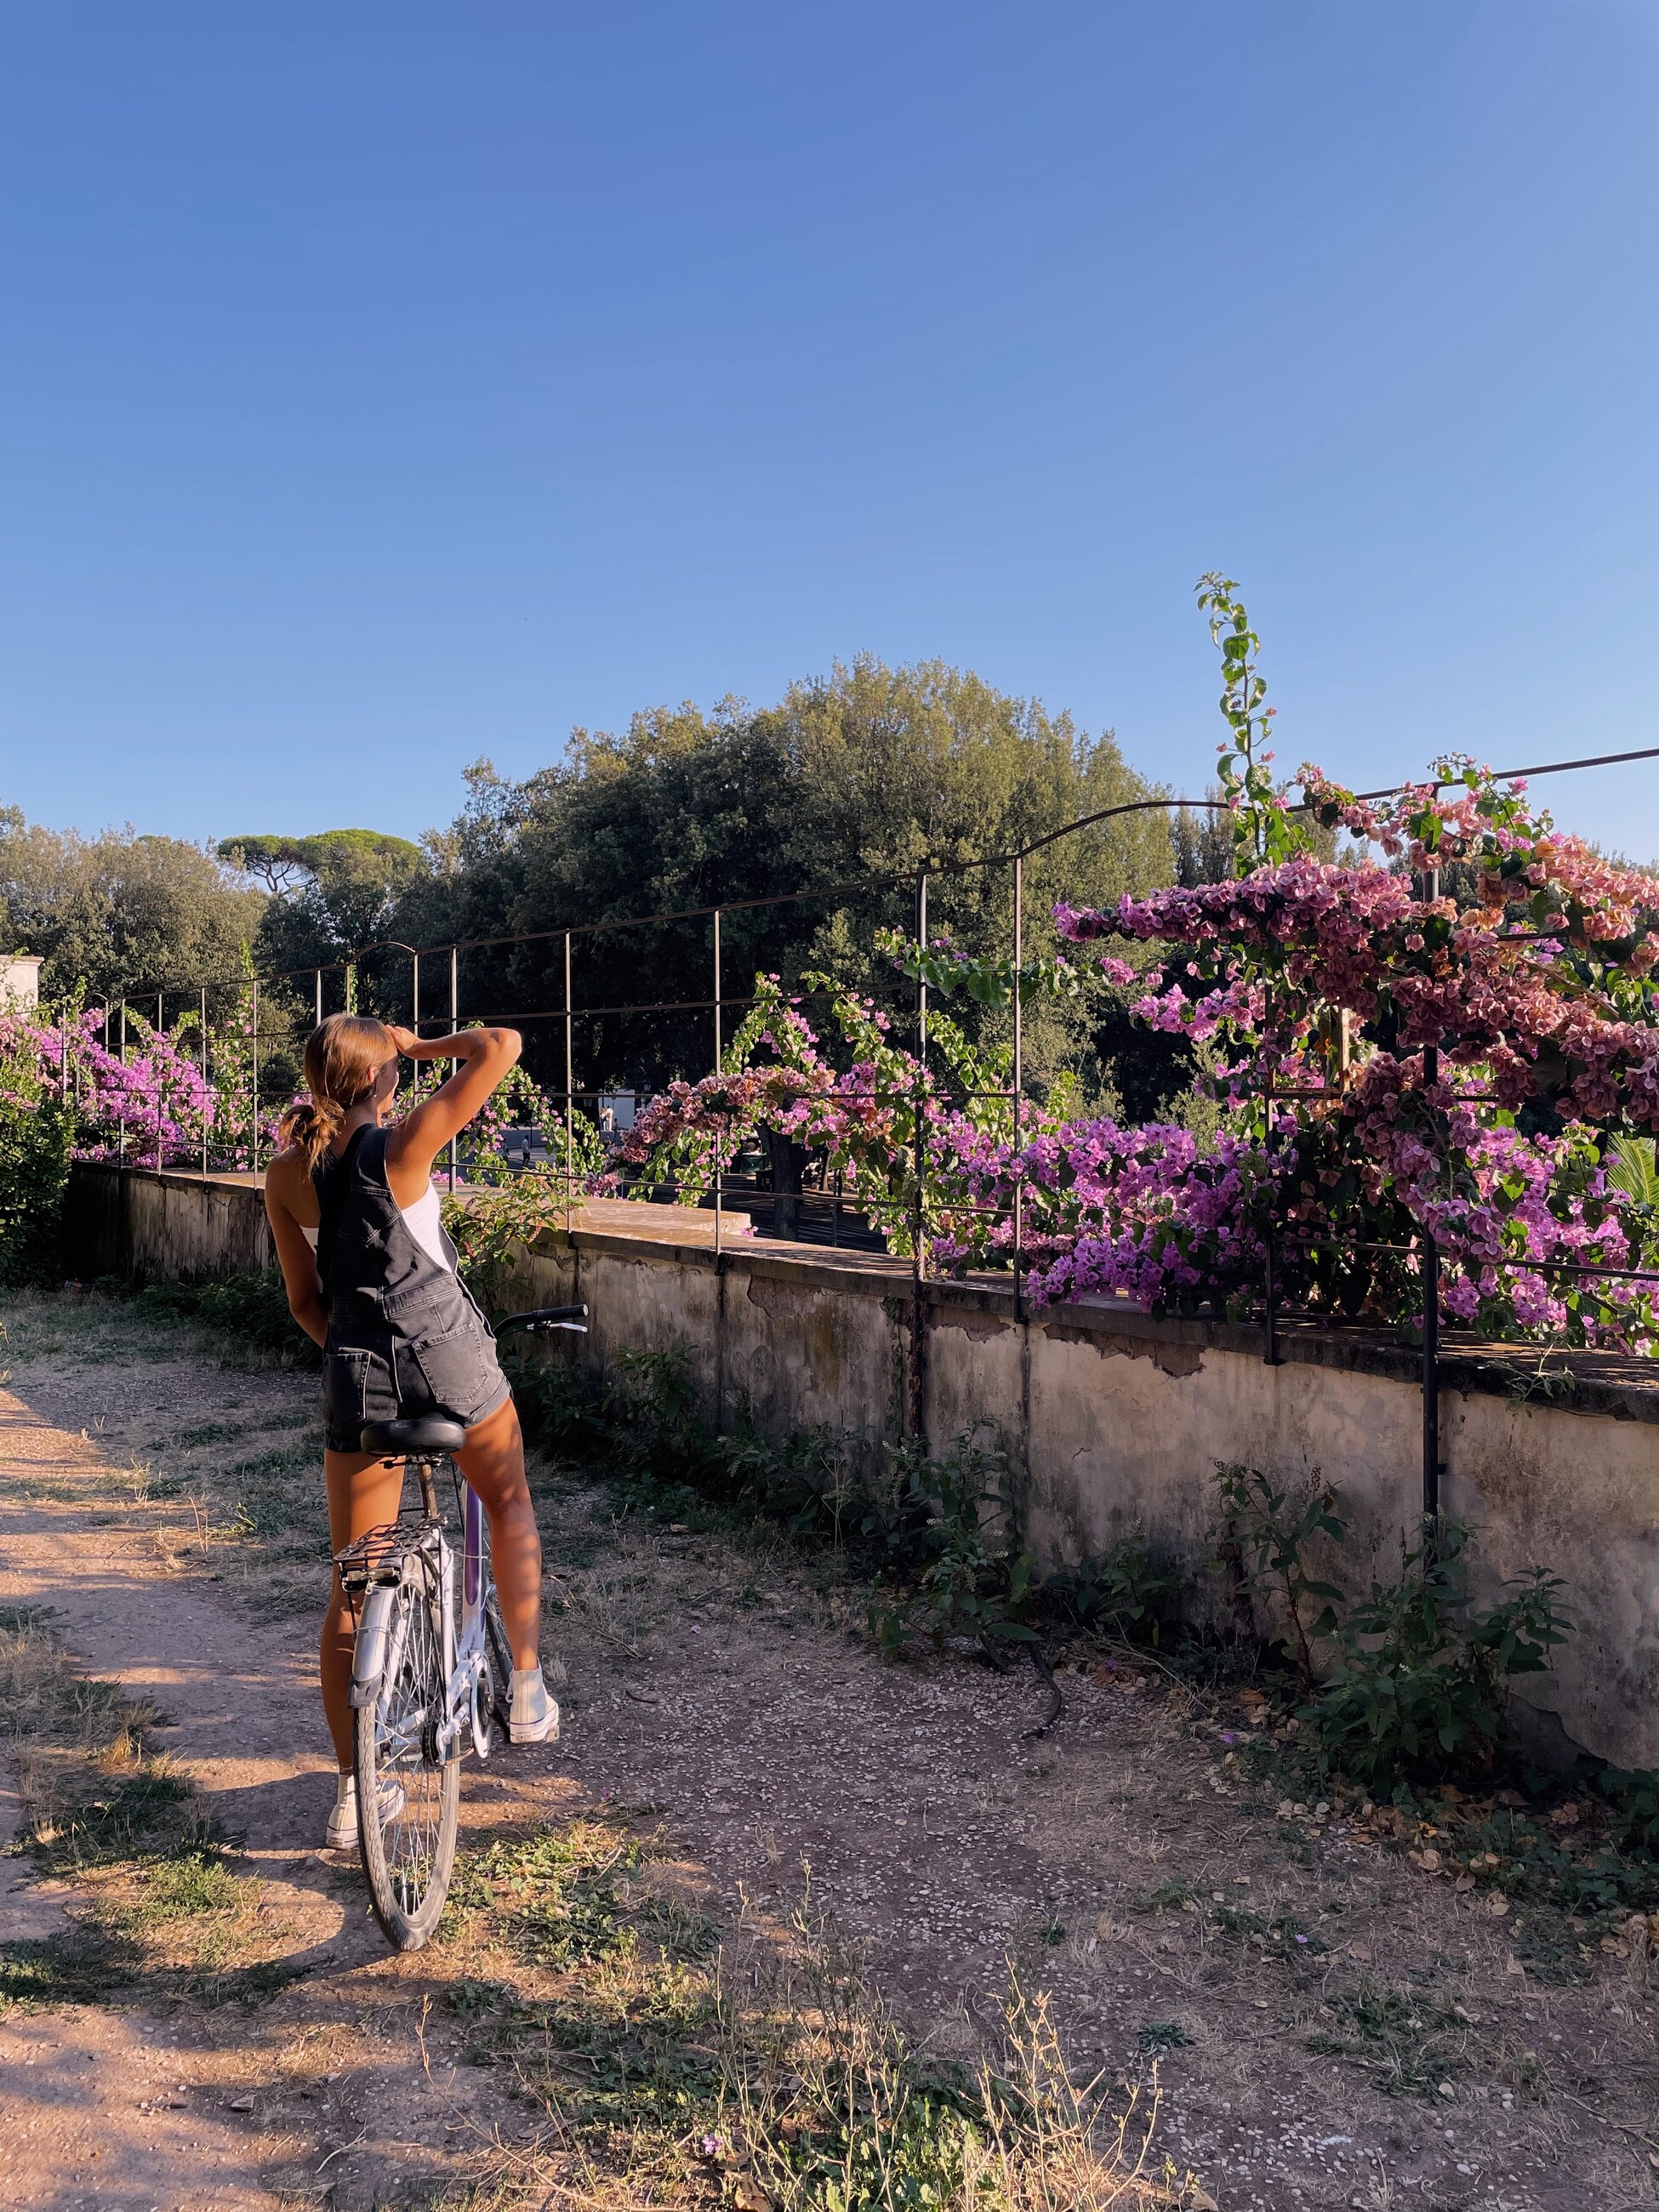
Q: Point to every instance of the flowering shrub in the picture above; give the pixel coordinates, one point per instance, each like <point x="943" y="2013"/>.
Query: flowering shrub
<point x="1389" y="1063"/>
<point x="520" y="1102"/>
<point x="152" y="1105"/>
<point x="1454" y="1070"/>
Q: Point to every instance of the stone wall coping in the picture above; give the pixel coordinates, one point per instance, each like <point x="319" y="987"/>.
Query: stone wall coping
<point x="1605" y="1384"/>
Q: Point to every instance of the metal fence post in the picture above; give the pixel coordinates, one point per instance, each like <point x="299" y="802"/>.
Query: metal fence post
<point x="719" y="1049"/>
<point x="1271" y="1354"/>
<point x="253" y="1131"/>
<point x="155" y="1066"/>
<point x="454" y="1023"/>
<point x="205" y="1109"/>
<point x="121" y="1154"/>
<point x="569" y="1089"/>
<point x="414" y="997"/>
<point x="919" y="1263"/>
<point x="1431" y="1299"/>
<point x="1018" y="1089"/>
<point x="319" y="999"/>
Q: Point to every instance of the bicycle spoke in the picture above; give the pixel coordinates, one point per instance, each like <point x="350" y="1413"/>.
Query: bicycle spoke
<point x="410" y="1716"/>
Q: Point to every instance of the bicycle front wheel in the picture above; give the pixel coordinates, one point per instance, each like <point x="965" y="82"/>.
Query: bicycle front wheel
<point x="407" y="1794"/>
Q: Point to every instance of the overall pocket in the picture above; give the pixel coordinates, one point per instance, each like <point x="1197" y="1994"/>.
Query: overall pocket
<point x="345" y="1397"/>
<point x="457" y="1368"/>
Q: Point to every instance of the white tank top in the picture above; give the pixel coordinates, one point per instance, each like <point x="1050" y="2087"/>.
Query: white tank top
<point x="424" y="1223"/>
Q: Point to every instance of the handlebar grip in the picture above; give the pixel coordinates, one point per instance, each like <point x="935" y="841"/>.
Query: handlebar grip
<point x="545" y="1318"/>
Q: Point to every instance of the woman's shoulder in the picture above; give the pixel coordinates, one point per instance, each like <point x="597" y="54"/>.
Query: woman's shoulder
<point x="285" y="1173"/>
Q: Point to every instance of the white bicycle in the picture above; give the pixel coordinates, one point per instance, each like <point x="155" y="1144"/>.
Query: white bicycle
<point x="424" y="1674"/>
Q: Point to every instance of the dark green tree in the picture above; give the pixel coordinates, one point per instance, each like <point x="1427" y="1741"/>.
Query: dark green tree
<point x="333" y="893"/>
<point x="120" y="912"/>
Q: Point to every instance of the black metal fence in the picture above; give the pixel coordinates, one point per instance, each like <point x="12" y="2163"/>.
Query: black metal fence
<point x="436" y="997"/>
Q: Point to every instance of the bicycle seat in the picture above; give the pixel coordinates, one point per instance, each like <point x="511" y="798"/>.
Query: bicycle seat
<point x="422" y="1438"/>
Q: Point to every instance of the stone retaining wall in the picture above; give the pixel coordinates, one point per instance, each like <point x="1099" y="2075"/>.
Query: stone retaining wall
<point x="1109" y="1416"/>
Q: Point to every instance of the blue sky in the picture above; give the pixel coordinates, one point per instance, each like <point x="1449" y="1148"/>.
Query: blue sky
<point x="384" y="386"/>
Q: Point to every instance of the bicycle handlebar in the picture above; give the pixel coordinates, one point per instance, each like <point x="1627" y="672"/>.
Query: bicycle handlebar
<point x="574" y="1317"/>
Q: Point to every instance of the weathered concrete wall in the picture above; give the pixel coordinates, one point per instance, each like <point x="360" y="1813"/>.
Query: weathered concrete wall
<point x="1110" y="1417"/>
<point x="135" y="1222"/>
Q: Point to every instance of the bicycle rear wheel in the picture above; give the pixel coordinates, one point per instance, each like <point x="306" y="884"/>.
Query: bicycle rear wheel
<point x="407" y="1834"/>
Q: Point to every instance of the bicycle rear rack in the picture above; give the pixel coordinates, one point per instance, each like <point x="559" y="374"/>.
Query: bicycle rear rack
<point x="376" y="1556"/>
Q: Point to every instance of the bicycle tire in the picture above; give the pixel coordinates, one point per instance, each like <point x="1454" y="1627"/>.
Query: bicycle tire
<point x="498" y="1653"/>
<point x="500" y="1663"/>
<point x="409" y="1855"/>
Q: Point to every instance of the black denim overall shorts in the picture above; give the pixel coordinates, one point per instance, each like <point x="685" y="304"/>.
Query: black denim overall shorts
<point x="405" y="1336"/>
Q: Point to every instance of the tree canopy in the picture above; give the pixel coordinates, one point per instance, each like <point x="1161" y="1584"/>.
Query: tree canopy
<point x="120" y="912"/>
<point x="332" y="893"/>
<point x="869" y="771"/>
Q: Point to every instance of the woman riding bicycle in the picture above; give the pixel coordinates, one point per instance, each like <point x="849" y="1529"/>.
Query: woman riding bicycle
<point x="372" y="1278"/>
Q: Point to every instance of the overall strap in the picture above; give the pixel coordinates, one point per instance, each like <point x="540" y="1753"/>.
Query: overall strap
<point x="332" y="1179"/>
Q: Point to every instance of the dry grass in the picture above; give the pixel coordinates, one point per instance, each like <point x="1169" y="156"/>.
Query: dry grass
<point x="158" y="1892"/>
<point x="70" y="1736"/>
<point x="760" y="2071"/>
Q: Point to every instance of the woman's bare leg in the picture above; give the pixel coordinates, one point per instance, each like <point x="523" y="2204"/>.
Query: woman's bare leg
<point x="363" y="1494"/>
<point x="493" y="1462"/>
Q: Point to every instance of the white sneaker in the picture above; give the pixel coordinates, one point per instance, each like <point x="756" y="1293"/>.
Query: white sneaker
<point x="533" y="1716"/>
<point x="341" y="1833"/>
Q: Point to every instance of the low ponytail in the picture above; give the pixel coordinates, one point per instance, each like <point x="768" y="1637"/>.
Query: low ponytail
<point x="311" y="1125"/>
<point x="343" y="1062"/>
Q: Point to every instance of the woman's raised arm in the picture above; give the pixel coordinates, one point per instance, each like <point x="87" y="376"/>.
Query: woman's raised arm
<point x="486" y="1057"/>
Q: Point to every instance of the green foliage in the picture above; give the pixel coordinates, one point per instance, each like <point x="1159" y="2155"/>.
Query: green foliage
<point x="944" y="1529"/>
<point x="37" y="1131"/>
<point x="119" y="912"/>
<point x="1418" y="1688"/>
<point x="1262" y="831"/>
<point x="869" y="769"/>
<point x="1633" y="1798"/>
<point x="251" y="1307"/>
<point x="332" y="894"/>
<point x="1125" y="1592"/>
<point x="1408" y="2043"/>
<point x="1269" y="1528"/>
<point x="938" y="1535"/>
<point x="1635" y="1172"/>
<point x="563" y="1408"/>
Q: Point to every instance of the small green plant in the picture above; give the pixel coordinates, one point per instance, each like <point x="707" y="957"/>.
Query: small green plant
<point x="1408" y="2043"/>
<point x="562" y="1407"/>
<point x="1418" y="1688"/>
<point x="954" y="1566"/>
<point x="655" y="1420"/>
<point x="1124" y="1592"/>
<point x="1634" y="1799"/>
<point x="1268" y="1530"/>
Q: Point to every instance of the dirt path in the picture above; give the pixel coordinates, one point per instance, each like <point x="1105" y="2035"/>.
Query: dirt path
<point x="1118" y="1865"/>
<point x="220" y="2107"/>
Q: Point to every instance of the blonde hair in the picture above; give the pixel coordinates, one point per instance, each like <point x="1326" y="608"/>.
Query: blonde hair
<point x="344" y="1057"/>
